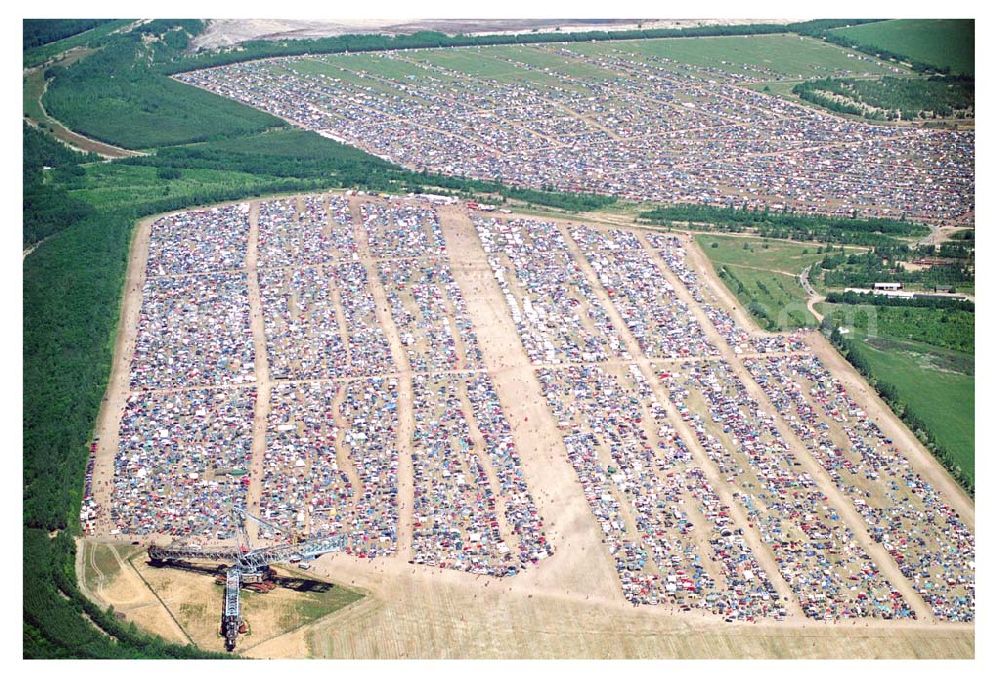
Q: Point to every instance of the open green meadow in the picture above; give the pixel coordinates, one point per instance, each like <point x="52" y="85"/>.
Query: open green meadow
<point x="760" y="253"/>
<point x="324" y="67"/>
<point x="478" y="63"/>
<point x="381" y="66"/>
<point x="790" y="56"/>
<point x="546" y="58"/>
<point x="937" y="386"/>
<point x="940" y="42"/>
<point x="775" y="300"/>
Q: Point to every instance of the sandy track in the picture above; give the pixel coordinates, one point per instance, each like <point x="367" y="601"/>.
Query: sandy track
<point x="262" y="406"/>
<point x="580" y="563"/>
<point x="113" y="404"/>
<point x="404" y="406"/>
<point x="814" y="297"/>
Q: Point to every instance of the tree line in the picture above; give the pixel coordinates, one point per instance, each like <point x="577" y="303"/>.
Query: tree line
<point x="37" y="32"/>
<point x="890" y="300"/>
<point x="788" y="224"/>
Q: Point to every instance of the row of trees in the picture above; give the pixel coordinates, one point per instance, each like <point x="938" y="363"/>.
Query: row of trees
<point x="888" y="300"/>
<point x="865" y="274"/>
<point x="788" y="224"/>
<point x="259" y="49"/>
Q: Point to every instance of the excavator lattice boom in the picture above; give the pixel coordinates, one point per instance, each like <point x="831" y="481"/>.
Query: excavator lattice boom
<point x="246" y="563"/>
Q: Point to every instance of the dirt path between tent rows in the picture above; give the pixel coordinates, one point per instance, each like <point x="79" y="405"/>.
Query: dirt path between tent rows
<point x="404" y="374"/>
<point x="113" y="404"/>
<point x="262" y="375"/>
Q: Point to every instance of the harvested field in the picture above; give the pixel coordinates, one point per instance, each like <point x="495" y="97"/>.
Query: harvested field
<point x="512" y="422"/>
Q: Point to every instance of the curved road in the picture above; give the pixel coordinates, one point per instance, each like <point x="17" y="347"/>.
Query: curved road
<point x="813" y="295"/>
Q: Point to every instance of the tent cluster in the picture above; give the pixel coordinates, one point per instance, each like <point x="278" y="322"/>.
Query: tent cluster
<point x="183" y="461"/>
<point x="933" y="547"/>
<point x="472" y="510"/>
<point x="331" y="462"/>
<point x="660" y="321"/>
<point x="430" y="314"/>
<point x="816" y="551"/>
<point x="558" y="316"/>
<point x="638" y="126"/>
<point x="649" y="498"/>
<point x="318" y="233"/>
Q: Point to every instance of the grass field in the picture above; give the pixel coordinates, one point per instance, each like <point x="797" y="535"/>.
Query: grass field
<point x="102" y="566"/>
<point x="776" y="301"/>
<point x="151" y="597"/>
<point x="318" y="66"/>
<point x="790" y="56"/>
<point x="759" y="252"/>
<point x="763" y="274"/>
<point x="107" y="186"/>
<point x="939" y="42"/>
<point x="33" y="87"/>
<point x="937" y="385"/>
<point x="483" y="63"/>
<point x="395" y="69"/>
<point x="545" y="59"/>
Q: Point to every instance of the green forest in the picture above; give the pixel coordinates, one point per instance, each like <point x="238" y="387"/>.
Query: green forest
<point x="42" y="31"/>
<point x="890" y="98"/>
<point x="48" y="206"/>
